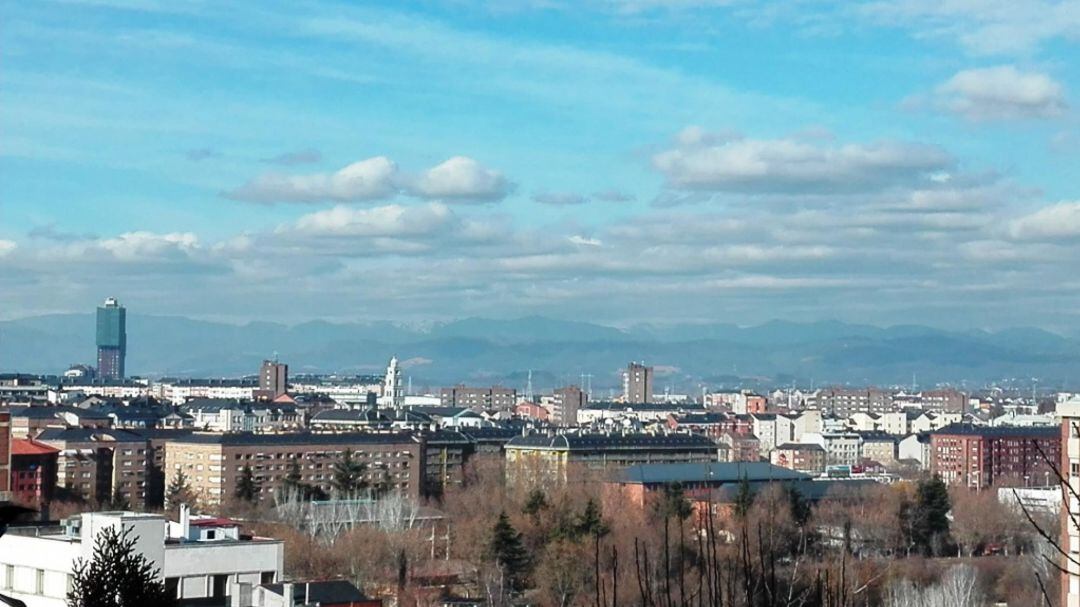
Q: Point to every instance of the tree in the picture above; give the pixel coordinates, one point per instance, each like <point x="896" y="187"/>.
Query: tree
<point x="744" y="499"/>
<point x="535" y="503"/>
<point x="930" y="522"/>
<point x="508" y="551"/>
<point x="119" y="501"/>
<point x="349" y="474"/>
<point x="179" y="492"/>
<point x="247" y="488"/>
<point x="117" y="575"/>
<point x="293" y="478"/>
<point x="591" y="522"/>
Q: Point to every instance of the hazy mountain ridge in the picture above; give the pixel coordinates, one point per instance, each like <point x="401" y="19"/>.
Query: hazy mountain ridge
<point x="480" y="350"/>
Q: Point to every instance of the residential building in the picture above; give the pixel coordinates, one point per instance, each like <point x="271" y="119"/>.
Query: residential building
<point x="33" y="472"/>
<point x="532" y="411"/>
<point x="111" y="340"/>
<point x="638" y="412"/>
<point x="983" y="456"/>
<point x="221" y="415"/>
<point x="1068" y="409"/>
<point x="445" y="454"/>
<point x="273" y="380"/>
<point x="801" y="457"/>
<point x="640" y="485"/>
<point x="841" y="448"/>
<point x="212" y="463"/>
<point x="179" y="391"/>
<point x="5" y="453"/>
<point x="100" y="464"/>
<point x="550" y="456"/>
<point x="326" y="593"/>
<point x="495" y="397"/>
<point x="638" y="383"/>
<point x="199" y="559"/>
<point x="915" y="448"/>
<point x="879" y="447"/>
<point x="741" y="447"/>
<point x="566" y="403"/>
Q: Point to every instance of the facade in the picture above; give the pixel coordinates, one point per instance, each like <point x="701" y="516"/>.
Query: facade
<point x="445" y="454"/>
<point x="199" y="558"/>
<point x="33" y="472"/>
<point x="879" y="447"/>
<point x="329" y="593"/>
<point x="212" y="463"/>
<point x="495" y="397"/>
<point x="1069" y="437"/>
<point x="179" y="391"/>
<point x="100" y="464"/>
<point x="980" y="456"/>
<point x="550" y="457"/>
<point x="566" y="403"/>
<point x="638" y="383"/>
<point x="273" y="380"/>
<point x="640" y="485"/>
<point x="801" y="457"/>
<point x="221" y="415"/>
<point x="5" y="453"/>
<point x="111" y="340"/>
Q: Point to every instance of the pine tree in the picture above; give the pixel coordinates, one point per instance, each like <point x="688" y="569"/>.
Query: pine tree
<point x="247" y="488"/>
<point x="674" y="504"/>
<point x="349" y="474"/>
<point x="508" y="551"/>
<point x="179" y="492"/>
<point x="800" y="508"/>
<point x="930" y="522"/>
<point x="744" y="499"/>
<point x="293" y="478"/>
<point x="117" y="575"/>
<point x="535" y="503"/>
<point x="591" y="522"/>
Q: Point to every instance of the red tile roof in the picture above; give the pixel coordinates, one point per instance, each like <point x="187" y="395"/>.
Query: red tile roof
<point x="27" y="446"/>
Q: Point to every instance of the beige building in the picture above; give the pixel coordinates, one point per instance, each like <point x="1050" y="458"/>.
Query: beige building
<point x="100" y="464"/>
<point x="801" y="457"/>
<point x="213" y="463"/>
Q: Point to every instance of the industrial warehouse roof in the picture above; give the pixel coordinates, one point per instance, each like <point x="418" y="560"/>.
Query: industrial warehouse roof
<point x="87" y="435"/>
<point x="809" y="489"/>
<point x="714" y="472"/>
<point x="1000" y="431"/>
<point x="298" y="438"/>
<point x="574" y="442"/>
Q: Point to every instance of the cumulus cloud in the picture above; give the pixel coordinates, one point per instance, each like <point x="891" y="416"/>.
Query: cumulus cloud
<point x="133" y="246"/>
<point x="461" y="178"/>
<point x="559" y="198"/>
<point x="362" y="180"/>
<point x="6" y="247"/>
<point x="1001" y="93"/>
<point x="305" y="156"/>
<point x="723" y="164"/>
<point x="1055" y="222"/>
<point x="390" y="220"/>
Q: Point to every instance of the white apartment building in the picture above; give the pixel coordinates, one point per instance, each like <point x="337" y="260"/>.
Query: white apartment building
<point x="199" y="558"/>
<point x="1069" y="411"/>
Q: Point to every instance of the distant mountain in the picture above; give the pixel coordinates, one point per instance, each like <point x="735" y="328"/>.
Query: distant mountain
<point x="485" y="351"/>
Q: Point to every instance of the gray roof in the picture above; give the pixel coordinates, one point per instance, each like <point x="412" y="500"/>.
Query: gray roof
<point x="86" y="435"/>
<point x="809" y="489"/>
<point x="298" y="438"/>
<point x="801" y="447"/>
<point x="583" y="442"/>
<point x="714" y="472"/>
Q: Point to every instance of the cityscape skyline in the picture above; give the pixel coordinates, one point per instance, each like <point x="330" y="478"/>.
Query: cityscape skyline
<point x="882" y="164"/>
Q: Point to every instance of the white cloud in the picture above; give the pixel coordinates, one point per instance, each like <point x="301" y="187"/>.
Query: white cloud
<point x="6" y="247"/>
<point x="135" y="246"/>
<point x="362" y="180"/>
<point x="386" y="221"/>
<point x="461" y="178"/>
<point x="584" y="241"/>
<point x="1055" y="222"/>
<point x="699" y="162"/>
<point x="1001" y="93"/>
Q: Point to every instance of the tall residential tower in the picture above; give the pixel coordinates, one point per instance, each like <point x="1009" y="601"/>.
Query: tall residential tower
<point x="111" y="339"/>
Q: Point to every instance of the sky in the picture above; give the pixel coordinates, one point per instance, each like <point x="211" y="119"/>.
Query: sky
<point x="616" y="161"/>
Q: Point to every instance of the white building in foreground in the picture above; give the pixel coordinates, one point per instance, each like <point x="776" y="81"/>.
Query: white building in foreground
<point x="200" y="558"/>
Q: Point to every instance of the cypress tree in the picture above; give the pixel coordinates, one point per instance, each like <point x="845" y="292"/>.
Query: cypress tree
<point x="247" y="488"/>
<point x="349" y="474"/>
<point x="508" y="551"/>
<point x="117" y="575"/>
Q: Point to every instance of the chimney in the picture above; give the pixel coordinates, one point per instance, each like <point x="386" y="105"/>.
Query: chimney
<point x="307" y="592"/>
<point x="288" y="598"/>
<point x="185" y="521"/>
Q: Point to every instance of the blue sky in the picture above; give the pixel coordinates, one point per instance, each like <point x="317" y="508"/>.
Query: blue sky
<point x="616" y="161"/>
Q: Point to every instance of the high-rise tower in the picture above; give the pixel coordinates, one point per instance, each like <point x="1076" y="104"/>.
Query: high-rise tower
<point x="111" y="339"/>
<point x="393" y="389"/>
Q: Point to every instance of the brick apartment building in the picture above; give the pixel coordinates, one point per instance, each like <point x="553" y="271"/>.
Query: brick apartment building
<point x="33" y="471"/>
<point x="978" y="456"/>
<point x="213" y="463"/>
<point x="495" y="397"/>
<point x="99" y="464"/>
<point x="566" y="403"/>
<point x="5" y="452"/>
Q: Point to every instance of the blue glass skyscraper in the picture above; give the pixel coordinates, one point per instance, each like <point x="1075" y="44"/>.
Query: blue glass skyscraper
<point x="111" y="339"/>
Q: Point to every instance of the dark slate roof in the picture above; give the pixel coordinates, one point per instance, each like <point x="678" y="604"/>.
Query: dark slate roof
<point x="350" y="415"/>
<point x="447" y="436"/>
<point x="810" y="490"/>
<point x="298" y="438"/>
<point x="1000" y="431"/>
<point x="85" y="435"/>
<point x="877" y="436"/>
<point x="439" y="411"/>
<point x="331" y="592"/>
<point x="164" y="433"/>
<point x="620" y="441"/>
<point x="52" y="412"/>
<point x="716" y="472"/>
<point x="801" y="447"/>
<point x="612" y="406"/>
<point x="491" y="434"/>
<point x="224" y="404"/>
<point x="702" y="418"/>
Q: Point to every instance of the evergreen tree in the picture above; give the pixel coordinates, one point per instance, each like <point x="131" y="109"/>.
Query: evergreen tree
<point x="535" y="503"/>
<point x="744" y="499"/>
<point x="349" y="474"/>
<point x="508" y="551"/>
<point x="247" y="488"/>
<point x="800" y="508"/>
<point x="117" y="575"/>
<point x="591" y="522"/>
<point x="674" y="504"/>
<point x="179" y="492"/>
<point x="930" y="522"/>
<point x="119" y="501"/>
<point x="293" y="478"/>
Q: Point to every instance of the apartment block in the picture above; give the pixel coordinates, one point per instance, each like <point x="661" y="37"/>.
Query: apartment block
<point x="980" y="456"/>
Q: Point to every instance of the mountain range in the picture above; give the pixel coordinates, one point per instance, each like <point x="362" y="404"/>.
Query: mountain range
<point x="485" y="351"/>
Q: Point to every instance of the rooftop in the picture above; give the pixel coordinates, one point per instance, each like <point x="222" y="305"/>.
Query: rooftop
<point x="573" y="442"/>
<point x="298" y="438"/>
<point x="715" y="472"/>
<point x="999" y="431"/>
